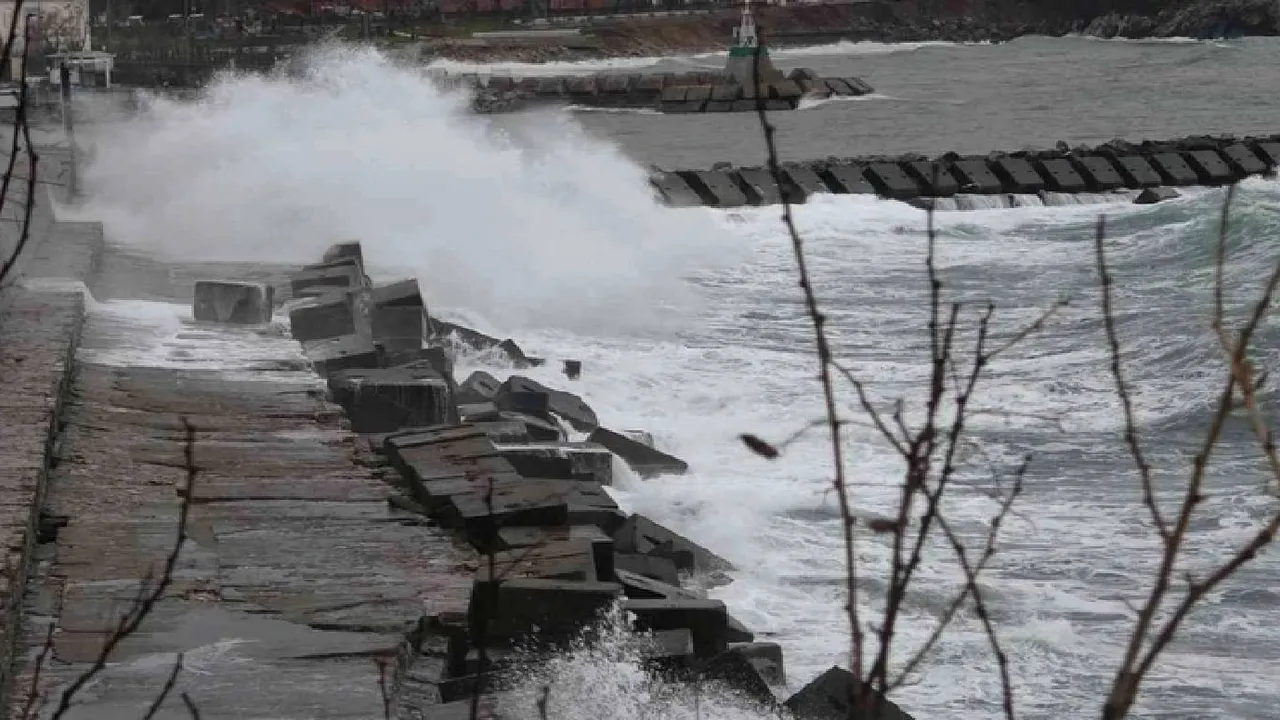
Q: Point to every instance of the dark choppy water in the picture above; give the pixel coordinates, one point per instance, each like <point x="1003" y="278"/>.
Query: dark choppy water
<point x="689" y="324"/>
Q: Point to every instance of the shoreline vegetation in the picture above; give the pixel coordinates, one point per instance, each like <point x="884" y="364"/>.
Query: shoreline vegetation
<point x="885" y="22"/>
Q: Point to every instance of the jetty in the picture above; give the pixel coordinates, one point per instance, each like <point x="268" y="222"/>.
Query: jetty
<point x="748" y="81"/>
<point x="1119" y="171"/>
<point x="335" y="526"/>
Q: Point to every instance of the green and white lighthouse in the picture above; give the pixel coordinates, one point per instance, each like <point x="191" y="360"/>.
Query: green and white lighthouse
<point x="746" y="55"/>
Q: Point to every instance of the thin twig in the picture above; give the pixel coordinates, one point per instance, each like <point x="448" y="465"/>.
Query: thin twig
<point x="35" y="696"/>
<point x="164" y="692"/>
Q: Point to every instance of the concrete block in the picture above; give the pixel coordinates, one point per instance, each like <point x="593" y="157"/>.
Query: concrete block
<point x="502" y="83"/>
<point x="759" y="186"/>
<point x="480" y="512"/>
<point x="890" y="180"/>
<point x="804" y="179"/>
<point x="536" y="429"/>
<point x="837" y="87"/>
<point x="560" y="460"/>
<point x="738" y="672"/>
<point x="674" y="95"/>
<point x="1098" y="173"/>
<point x="404" y="293"/>
<point x="645" y="537"/>
<point x="551" y="86"/>
<point x="675" y="191"/>
<point x="749" y="105"/>
<point x="341" y="353"/>
<point x="1173" y="169"/>
<point x="1018" y="175"/>
<point x="478" y="412"/>
<point x="767" y="657"/>
<point x="718" y="106"/>
<point x="564" y="404"/>
<point x="616" y="84"/>
<point x="643" y="459"/>
<point x="551" y="560"/>
<point x="715" y="188"/>
<point x="551" y="609"/>
<point x="1244" y="160"/>
<point x="500" y="431"/>
<point x="1061" y="175"/>
<point x="660" y="569"/>
<point x="706" y="619"/>
<point x="399" y="328"/>
<point x="339" y="251"/>
<point x="683" y="107"/>
<point x="847" y="179"/>
<point x="785" y="90"/>
<point x="649" y="83"/>
<point x="386" y="400"/>
<point x="1137" y="172"/>
<point x="582" y="85"/>
<point x="1151" y="196"/>
<point x="935" y="178"/>
<point x="775" y="104"/>
<point x="516" y="538"/>
<point x="642" y="587"/>
<point x="1269" y="152"/>
<point x="330" y="315"/>
<point x="698" y="93"/>
<point x="976" y="176"/>
<point x="665" y="652"/>
<point x="527" y="85"/>
<point x="479" y="386"/>
<point x="830" y="695"/>
<point x="860" y="86"/>
<point x="1210" y="167"/>
<point x="344" y="273"/>
<point x="726" y="92"/>
<point x="232" y="302"/>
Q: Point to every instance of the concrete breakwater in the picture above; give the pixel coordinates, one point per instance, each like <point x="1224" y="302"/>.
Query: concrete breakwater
<point x="1117" y="171"/>
<point x="518" y="470"/>
<point x="692" y="92"/>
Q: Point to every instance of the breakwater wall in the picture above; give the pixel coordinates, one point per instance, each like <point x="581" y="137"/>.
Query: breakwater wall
<point x="518" y="471"/>
<point x="1117" y="171"/>
<point x="692" y="92"/>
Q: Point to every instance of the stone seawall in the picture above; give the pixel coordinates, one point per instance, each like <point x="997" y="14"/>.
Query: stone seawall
<point x="42" y="314"/>
<point x="1117" y="171"/>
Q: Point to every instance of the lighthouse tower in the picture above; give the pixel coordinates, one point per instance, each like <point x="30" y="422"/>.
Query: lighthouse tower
<point x="746" y="55"/>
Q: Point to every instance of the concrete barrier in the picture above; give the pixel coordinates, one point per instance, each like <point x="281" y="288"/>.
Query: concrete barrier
<point x="1114" y="172"/>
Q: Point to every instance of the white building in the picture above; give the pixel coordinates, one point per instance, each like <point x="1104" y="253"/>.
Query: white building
<point x="58" y="25"/>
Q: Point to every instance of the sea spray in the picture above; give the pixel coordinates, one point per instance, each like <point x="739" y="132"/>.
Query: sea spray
<point x="531" y="223"/>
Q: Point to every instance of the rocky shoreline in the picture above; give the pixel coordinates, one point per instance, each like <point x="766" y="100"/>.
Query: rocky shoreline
<point x="879" y="22"/>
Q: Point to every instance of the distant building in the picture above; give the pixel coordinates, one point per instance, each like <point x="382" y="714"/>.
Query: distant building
<point x="57" y="25"/>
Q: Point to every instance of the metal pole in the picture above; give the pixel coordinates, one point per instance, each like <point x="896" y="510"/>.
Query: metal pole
<point x="73" y="179"/>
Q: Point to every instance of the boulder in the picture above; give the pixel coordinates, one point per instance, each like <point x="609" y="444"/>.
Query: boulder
<point x="517" y="389"/>
<point x="348" y="352"/>
<point x="706" y="619"/>
<point x="323" y="277"/>
<point x="1154" y="195"/>
<point x="639" y="456"/>
<point x="339" y="251"/>
<point x="643" y="536"/>
<point x="385" y="400"/>
<point x="331" y="314"/>
<point x="551" y="609"/>
<point x="830" y="697"/>
<point x="560" y="460"/>
<point x="232" y="302"/>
